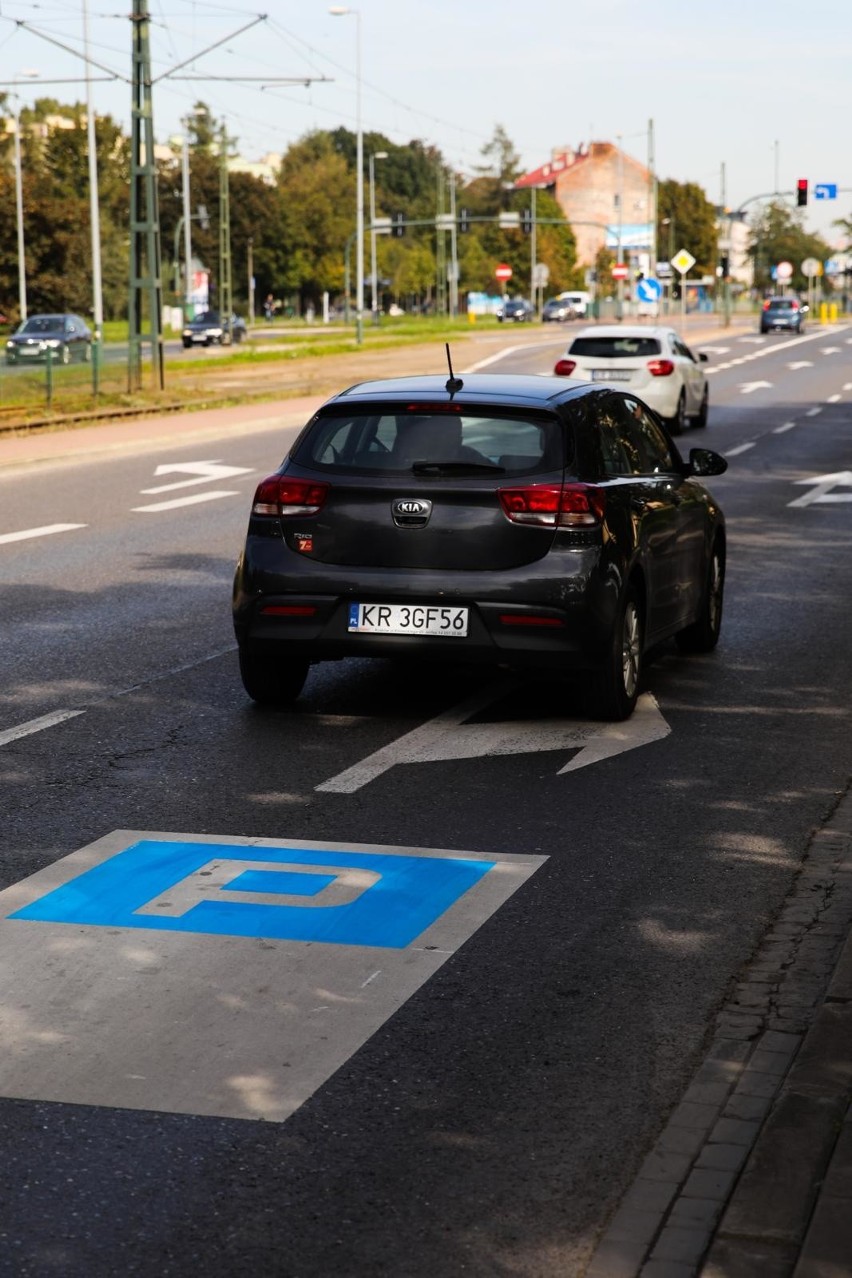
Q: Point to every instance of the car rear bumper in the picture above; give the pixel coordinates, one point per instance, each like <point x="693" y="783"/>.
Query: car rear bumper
<point x="528" y="617"/>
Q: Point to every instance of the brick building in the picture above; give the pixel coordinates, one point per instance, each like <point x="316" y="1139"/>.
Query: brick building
<point x="589" y="184"/>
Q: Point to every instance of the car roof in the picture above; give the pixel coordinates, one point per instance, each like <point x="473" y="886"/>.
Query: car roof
<point x="625" y="330"/>
<point x="515" y="390"/>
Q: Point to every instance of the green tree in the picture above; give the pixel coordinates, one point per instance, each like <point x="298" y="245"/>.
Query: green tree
<point x="777" y="235"/>
<point x="686" y="217"/>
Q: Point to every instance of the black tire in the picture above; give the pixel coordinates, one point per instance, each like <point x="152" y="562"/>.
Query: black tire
<point x="701" y="419"/>
<point x="616" y="685"/>
<point x="187" y="345"/>
<point x="677" y="424"/>
<point x="703" y="634"/>
<point x="273" y="681"/>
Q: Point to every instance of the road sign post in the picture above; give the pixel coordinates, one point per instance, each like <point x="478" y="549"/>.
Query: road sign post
<point x="683" y="261"/>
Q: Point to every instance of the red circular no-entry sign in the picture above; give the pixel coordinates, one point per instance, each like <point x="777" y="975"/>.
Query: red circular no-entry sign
<point x="620" y="271"/>
<point x="503" y="272"/>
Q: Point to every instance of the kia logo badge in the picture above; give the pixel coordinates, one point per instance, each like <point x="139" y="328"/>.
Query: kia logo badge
<point x="411" y="512"/>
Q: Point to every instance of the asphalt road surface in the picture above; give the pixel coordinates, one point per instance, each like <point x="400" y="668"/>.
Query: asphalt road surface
<point x="183" y="1096"/>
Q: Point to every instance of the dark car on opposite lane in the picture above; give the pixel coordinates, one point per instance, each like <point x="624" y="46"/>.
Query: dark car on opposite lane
<point x="557" y="310"/>
<point x="65" y="337"/>
<point x="209" y="328"/>
<point x="511" y="521"/>
<point x="518" y="310"/>
<point x="785" y="313"/>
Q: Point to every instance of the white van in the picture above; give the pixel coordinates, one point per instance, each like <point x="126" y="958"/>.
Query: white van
<point x="579" y="301"/>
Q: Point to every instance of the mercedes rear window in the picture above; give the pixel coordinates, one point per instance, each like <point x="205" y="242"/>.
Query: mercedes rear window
<point x="614" y="347"/>
<point x="400" y="441"/>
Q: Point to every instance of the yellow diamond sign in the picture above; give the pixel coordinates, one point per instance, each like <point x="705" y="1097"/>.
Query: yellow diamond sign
<point x="683" y="261"/>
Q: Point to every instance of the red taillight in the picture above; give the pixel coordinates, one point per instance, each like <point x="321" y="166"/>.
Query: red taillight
<point x="529" y="619"/>
<point x="564" y="367"/>
<point x="289" y="610"/>
<point x="660" y="367"/>
<point x="766" y="305"/>
<point x="279" y="495"/>
<point x="554" y="505"/>
<point x="794" y="306"/>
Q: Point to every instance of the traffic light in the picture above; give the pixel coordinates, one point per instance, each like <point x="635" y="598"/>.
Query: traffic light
<point x="464" y="220"/>
<point x="398" y="225"/>
<point x="725" y="265"/>
<point x="526" y="221"/>
<point x="802" y="192"/>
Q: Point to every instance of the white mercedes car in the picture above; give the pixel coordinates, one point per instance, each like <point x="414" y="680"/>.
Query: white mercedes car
<point x="654" y="363"/>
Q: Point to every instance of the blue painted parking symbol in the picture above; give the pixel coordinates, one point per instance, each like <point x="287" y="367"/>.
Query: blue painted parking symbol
<point x="300" y="894"/>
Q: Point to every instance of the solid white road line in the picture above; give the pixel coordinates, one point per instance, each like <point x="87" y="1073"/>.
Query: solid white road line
<point x="46" y="531"/>
<point x="157" y="506"/>
<point x="36" y="725"/>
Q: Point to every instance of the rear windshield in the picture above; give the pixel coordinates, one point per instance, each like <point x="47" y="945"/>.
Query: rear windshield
<point x="397" y="441"/>
<point x="785" y="304"/>
<point x="614" y="347"/>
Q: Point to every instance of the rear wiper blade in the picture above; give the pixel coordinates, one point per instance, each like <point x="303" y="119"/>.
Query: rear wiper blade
<point x="457" y="468"/>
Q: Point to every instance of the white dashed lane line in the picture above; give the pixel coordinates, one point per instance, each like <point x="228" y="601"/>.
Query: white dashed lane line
<point x="47" y="530"/>
<point x="36" y="725"/>
<point x="780" y="430"/>
<point x="741" y="448"/>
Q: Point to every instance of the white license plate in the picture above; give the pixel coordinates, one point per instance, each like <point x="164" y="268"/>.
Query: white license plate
<point x="408" y="619"/>
<point x="611" y="375"/>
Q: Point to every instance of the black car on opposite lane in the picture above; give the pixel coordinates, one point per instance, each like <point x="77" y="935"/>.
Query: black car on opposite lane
<point x="516" y="310"/>
<point x="517" y="521"/>
<point x="64" y="337"/>
<point x="209" y="328"/>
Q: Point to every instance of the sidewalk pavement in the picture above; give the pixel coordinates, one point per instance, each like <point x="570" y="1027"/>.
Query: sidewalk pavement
<point x="752" y="1174"/>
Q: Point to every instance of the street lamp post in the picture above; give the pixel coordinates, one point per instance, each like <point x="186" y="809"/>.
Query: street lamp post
<point x="19" y="200"/>
<point x="339" y="11"/>
<point x="374" y="301"/>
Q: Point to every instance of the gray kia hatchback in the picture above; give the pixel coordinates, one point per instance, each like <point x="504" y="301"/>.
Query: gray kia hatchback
<point x="527" y="522"/>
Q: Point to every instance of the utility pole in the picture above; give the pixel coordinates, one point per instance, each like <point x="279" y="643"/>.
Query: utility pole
<point x="226" y="302"/>
<point x="454" y="254"/>
<point x="652" y="203"/>
<point x="145" y="268"/>
<point x="250" y="256"/>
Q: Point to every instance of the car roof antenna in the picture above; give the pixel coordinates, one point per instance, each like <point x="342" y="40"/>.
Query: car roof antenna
<point x="453" y="383"/>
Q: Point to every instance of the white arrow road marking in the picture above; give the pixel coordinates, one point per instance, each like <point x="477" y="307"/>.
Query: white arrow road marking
<point x="157" y="506"/>
<point x="716" y="350"/>
<point x="748" y="387"/>
<point x="450" y="736"/>
<point x="36" y="725"/>
<point x="203" y="471"/>
<point x="821" y="489"/>
<point x="759" y="340"/>
<point x="801" y="363"/>
<point x="46" y="531"/>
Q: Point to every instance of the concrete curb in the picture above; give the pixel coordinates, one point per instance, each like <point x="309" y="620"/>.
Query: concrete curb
<point x="759" y="1142"/>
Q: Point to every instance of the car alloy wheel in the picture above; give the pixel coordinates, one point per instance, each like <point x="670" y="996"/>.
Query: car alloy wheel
<point x="703" y="634"/>
<point x="617" y="684"/>
<point x="677" y="423"/>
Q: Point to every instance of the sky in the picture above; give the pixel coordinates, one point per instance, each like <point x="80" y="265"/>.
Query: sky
<point x="756" y="86"/>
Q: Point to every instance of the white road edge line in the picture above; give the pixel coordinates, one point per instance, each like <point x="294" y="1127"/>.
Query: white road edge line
<point x="157" y="506"/>
<point x="45" y="531"/>
<point x="741" y="448"/>
<point x="36" y="725"/>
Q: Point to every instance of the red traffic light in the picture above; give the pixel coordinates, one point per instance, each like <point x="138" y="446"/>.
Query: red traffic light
<point x="802" y="192"/>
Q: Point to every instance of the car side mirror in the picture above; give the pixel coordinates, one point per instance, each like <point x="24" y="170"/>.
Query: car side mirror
<point x="703" y="461"/>
<point x="702" y="357"/>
